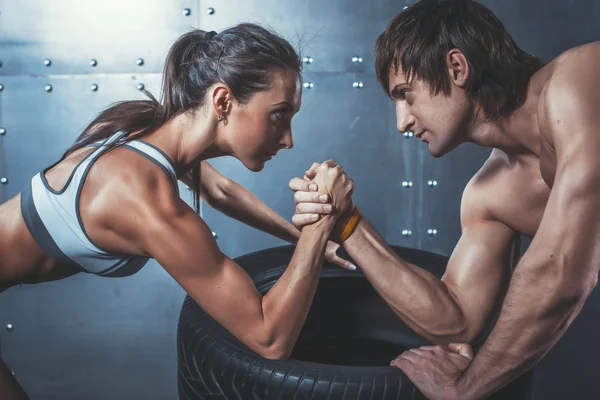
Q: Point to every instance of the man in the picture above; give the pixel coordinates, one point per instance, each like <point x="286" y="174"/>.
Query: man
<point x="457" y="76"/>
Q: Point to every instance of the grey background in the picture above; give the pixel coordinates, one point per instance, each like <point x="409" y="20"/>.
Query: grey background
<point x="98" y="338"/>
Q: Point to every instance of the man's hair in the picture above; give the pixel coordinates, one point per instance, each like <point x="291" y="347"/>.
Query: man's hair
<point x="419" y="38"/>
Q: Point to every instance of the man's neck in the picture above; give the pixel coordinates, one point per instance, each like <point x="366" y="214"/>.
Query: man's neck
<point x="514" y="134"/>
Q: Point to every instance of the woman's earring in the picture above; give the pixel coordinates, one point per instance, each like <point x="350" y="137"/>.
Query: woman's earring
<point x="221" y="118"/>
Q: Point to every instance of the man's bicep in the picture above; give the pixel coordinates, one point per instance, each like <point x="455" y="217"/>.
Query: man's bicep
<point x="479" y="268"/>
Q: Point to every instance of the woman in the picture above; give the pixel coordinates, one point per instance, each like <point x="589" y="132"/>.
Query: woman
<point x="112" y="201"/>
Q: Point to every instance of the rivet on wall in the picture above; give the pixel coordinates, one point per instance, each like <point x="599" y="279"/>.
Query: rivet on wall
<point x="3" y="180"/>
<point x="407" y="233"/>
<point x="187" y="12"/>
<point x="357" y="59"/>
<point x="308" y="85"/>
<point x="432" y="232"/>
<point x="9" y="327"/>
<point x="432" y="183"/>
<point x="140" y="86"/>
<point x="307" y="60"/>
<point x="94" y="88"/>
<point x="1" y="64"/>
<point x="408" y="134"/>
<point x="1" y="87"/>
<point x="407" y="184"/>
<point x="210" y="11"/>
<point x="140" y="61"/>
<point x="48" y="88"/>
<point x="47" y="62"/>
<point x="93" y="62"/>
<point x="2" y="131"/>
<point x="357" y="85"/>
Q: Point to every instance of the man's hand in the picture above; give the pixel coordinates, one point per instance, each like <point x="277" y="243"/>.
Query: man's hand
<point x="436" y="370"/>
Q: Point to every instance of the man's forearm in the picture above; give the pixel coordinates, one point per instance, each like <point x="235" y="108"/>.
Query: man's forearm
<point x="239" y="203"/>
<point x="419" y="298"/>
<point x="537" y="311"/>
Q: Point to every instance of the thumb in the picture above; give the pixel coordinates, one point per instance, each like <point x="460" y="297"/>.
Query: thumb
<point x="463" y="349"/>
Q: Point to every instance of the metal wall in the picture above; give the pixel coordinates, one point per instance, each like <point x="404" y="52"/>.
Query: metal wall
<point x="63" y="61"/>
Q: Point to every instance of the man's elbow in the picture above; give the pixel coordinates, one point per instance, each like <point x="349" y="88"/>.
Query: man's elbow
<point x="456" y="329"/>
<point x="573" y="293"/>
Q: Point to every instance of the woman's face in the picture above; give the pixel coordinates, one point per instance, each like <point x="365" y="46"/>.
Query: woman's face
<point x="256" y="131"/>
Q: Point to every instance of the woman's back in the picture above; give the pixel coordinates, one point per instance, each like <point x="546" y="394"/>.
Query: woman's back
<point x="76" y="201"/>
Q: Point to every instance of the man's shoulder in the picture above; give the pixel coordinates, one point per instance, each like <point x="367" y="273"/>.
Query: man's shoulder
<point x="502" y="183"/>
<point x="573" y="70"/>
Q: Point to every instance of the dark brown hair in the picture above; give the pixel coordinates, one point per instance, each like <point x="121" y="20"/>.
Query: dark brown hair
<point x="243" y="57"/>
<point x="419" y="38"/>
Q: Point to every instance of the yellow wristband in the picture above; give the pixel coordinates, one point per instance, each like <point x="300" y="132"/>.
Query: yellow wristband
<point x="351" y="225"/>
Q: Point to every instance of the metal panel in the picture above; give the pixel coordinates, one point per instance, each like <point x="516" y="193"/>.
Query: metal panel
<point x="88" y="337"/>
<point x="70" y="338"/>
<point x="330" y="32"/>
<point x="71" y="33"/>
<point x="41" y="125"/>
<point x="355" y="127"/>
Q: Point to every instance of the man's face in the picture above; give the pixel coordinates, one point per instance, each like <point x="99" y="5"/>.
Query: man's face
<point x="439" y="120"/>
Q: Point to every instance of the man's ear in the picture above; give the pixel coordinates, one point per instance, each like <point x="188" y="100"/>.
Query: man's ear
<point x="458" y="68"/>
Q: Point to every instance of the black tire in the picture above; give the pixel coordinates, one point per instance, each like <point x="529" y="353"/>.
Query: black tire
<point x="343" y="351"/>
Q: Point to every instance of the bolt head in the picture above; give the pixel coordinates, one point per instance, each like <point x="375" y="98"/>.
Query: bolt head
<point x="2" y="131"/>
<point x="93" y="62"/>
<point x="47" y="62"/>
<point x="187" y="12"/>
<point x="210" y="11"/>
<point x="48" y="88"/>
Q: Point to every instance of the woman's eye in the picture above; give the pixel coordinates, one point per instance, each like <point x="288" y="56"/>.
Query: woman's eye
<point x="279" y="114"/>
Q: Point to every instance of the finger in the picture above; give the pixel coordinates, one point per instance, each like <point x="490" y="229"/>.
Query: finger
<point x="299" y="184"/>
<point x="312" y="208"/>
<point x="314" y="166"/>
<point x="310" y="174"/>
<point x="330" y="163"/>
<point x="301" y="220"/>
<point x="464" y="349"/>
<point x="343" y="263"/>
<point x="310" y="197"/>
<point x="412" y="357"/>
<point x="423" y="353"/>
<point x="405" y="365"/>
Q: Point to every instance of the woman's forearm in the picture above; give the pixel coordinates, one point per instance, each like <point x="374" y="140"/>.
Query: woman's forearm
<point x="237" y="202"/>
<point x="287" y="303"/>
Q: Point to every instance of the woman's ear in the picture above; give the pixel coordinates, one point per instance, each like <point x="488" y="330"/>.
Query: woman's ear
<point x="221" y="102"/>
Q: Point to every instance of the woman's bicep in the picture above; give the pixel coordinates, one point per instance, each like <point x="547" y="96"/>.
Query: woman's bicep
<point x="184" y="246"/>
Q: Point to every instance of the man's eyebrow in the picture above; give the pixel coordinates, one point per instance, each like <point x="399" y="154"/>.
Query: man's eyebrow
<point x="396" y="88"/>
